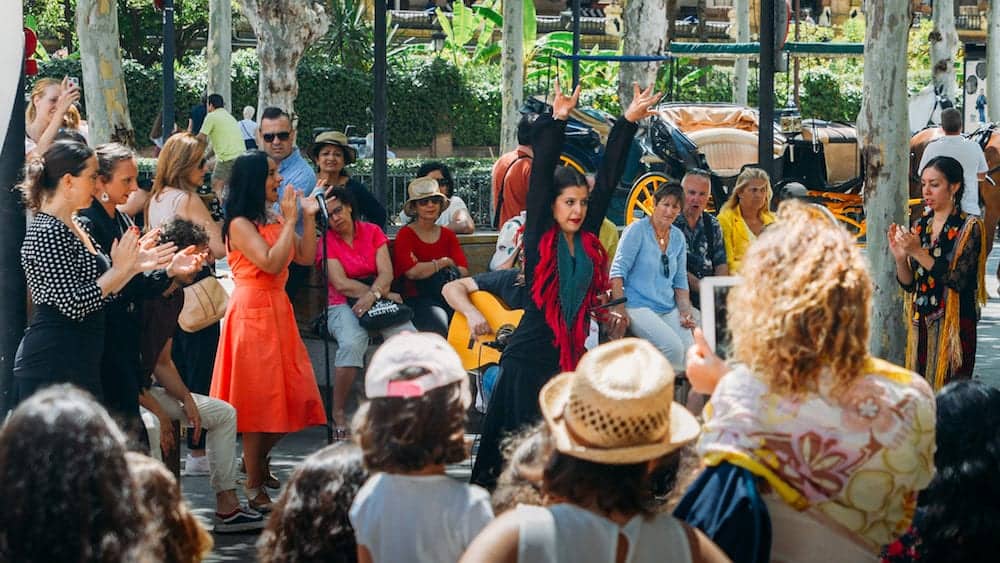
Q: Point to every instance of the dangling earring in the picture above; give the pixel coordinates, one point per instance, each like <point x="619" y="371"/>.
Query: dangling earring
<point x="105" y="197"/>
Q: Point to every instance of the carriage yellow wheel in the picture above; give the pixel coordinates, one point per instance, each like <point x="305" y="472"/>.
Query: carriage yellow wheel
<point x="640" y="198"/>
<point x="567" y="160"/>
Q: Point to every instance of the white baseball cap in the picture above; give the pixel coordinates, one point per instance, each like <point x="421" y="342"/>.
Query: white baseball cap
<point x="426" y="351"/>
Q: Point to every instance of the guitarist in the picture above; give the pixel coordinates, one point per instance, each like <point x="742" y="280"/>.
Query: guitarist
<point x="506" y="285"/>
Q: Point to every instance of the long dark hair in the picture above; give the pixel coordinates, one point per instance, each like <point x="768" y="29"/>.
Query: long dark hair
<point x="42" y="174"/>
<point x="246" y="190"/>
<point x="952" y="171"/>
<point x="960" y="508"/>
<point x="68" y="494"/>
<point x="310" y="520"/>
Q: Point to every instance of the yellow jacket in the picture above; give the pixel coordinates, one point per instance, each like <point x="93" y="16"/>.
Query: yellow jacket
<point x="737" y="236"/>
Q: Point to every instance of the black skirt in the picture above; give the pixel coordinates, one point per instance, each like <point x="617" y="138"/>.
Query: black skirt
<point x="58" y="349"/>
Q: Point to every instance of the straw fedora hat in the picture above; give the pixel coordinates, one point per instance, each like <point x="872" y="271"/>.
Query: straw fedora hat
<point x="335" y="138"/>
<point x="423" y="188"/>
<point x="618" y="406"/>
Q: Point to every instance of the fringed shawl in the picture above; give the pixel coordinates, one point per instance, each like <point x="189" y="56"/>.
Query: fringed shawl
<point x="569" y="338"/>
<point x="944" y="344"/>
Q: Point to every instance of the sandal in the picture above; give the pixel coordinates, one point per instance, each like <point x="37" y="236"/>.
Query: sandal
<point x="271" y="481"/>
<point x="254" y="493"/>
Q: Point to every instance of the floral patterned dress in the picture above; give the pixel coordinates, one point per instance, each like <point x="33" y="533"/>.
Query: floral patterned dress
<point x="946" y="298"/>
<point x="859" y="456"/>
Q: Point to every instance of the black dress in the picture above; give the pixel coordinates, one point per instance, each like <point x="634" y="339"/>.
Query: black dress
<point x="121" y="378"/>
<point x="65" y="336"/>
<point x="531" y="359"/>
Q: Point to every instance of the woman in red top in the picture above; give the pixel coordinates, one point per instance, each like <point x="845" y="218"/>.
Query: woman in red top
<point x="427" y="256"/>
<point x="360" y="270"/>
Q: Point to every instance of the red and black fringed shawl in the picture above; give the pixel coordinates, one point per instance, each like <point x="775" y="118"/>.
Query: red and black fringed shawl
<point x="569" y="340"/>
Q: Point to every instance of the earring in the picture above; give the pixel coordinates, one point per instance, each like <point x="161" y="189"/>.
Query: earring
<point x="105" y="197"/>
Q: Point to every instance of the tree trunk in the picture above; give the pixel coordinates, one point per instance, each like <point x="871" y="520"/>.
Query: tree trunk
<point x="284" y="29"/>
<point x="642" y="36"/>
<point x="741" y="69"/>
<point x="220" y="50"/>
<point x="100" y="58"/>
<point x="993" y="61"/>
<point x="944" y="46"/>
<point x="883" y="133"/>
<point x="512" y="62"/>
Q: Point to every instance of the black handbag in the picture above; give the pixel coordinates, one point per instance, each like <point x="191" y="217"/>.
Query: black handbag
<point x="385" y="313"/>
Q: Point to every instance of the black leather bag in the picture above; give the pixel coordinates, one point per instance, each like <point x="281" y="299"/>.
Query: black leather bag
<point x="385" y="313"/>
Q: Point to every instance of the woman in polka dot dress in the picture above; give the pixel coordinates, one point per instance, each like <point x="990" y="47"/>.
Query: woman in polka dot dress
<point x="70" y="277"/>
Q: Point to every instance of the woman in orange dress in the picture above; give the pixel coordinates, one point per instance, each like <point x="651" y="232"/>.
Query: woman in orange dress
<point x="262" y="367"/>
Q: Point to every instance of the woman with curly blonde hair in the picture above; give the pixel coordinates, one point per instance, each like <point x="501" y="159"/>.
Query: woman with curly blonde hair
<point x="745" y="214"/>
<point x="840" y="442"/>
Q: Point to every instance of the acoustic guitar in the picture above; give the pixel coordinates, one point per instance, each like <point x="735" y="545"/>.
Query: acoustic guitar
<point x="477" y="352"/>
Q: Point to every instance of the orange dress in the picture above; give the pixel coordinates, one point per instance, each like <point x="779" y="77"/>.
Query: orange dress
<point x="262" y="367"/>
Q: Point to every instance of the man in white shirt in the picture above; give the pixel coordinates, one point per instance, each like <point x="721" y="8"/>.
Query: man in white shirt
<point x="967" y="153"/>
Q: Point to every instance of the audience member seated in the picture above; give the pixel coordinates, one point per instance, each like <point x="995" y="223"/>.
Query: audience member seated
<point x="455" y="215"/>
<point x="359" y="270"/>
<point x="613" y="422"/>
<point x="310" y="520"/>
<point x="650" y="271"/>
<point x="333" y="154"/>
<point x="745" y="214"/>
<point x="509" y="252"/>
<point x="426" y="256"/>
<point x="182" y="537"/>
<point x="706" y="249"/>
<point x="957" y="513"/>
<point x="68" y="495"/>
<point x="412" y="425"/>
<point x="525" y="456"/>
<point x="839" y="441"/>
<point x="172" y="400"/>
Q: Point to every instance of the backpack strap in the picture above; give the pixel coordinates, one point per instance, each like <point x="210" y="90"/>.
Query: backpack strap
<point x="500" y="192"/>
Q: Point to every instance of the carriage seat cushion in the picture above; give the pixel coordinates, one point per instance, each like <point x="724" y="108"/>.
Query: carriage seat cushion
<point x="727" y="150"/>
<point x="694" y="118"/>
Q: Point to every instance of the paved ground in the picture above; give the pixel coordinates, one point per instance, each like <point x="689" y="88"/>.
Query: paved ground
<point x="240" y="547"/>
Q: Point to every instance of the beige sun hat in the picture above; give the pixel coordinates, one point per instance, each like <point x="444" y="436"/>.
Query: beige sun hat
<point x="423" y="188"/>
<point x="618" y="406"/>
<point x="335" y="138"/>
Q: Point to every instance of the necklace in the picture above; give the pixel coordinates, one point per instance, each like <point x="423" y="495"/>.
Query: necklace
<point x="662" y="237"/>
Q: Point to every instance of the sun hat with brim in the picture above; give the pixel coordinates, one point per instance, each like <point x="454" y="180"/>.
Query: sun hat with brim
<point x="410" y="364"/>
<point x="618" y="406"/>
<point x="335" y="138"/>
<point x="423" y="188"/>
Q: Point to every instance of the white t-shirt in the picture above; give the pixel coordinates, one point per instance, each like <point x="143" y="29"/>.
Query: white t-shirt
<point x="973" y="162"/>
<point x="455" y="204"/>
<point x="428" y="518"/>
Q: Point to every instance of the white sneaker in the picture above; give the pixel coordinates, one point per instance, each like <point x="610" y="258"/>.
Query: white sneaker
<point x="196" y="465"/>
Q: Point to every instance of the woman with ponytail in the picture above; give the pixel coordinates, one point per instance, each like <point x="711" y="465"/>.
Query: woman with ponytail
<point x="70" y="276"/>
<point x="565" y="268"/>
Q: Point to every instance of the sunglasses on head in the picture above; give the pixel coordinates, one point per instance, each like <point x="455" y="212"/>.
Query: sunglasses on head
<point x="665" y="262"/>
<point x="281" y="135"/>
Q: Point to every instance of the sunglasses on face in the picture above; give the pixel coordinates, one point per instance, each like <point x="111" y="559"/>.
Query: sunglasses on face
<point x="427" y="201"/>
<point x="665" y="263"/>
<point x="281" y="135"/>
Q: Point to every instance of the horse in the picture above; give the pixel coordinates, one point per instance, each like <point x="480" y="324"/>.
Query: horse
<point x="988" y="190"/>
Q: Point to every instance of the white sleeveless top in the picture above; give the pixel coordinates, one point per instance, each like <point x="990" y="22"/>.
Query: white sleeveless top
<point x="565" y="533"/>
<point x="163" y="208"/>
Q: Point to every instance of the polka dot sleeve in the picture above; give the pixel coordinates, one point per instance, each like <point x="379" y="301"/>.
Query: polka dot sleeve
<point x="60" y="271"/>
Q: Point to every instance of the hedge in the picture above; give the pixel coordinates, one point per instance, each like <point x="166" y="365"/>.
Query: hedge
<point x="430" y="97"/>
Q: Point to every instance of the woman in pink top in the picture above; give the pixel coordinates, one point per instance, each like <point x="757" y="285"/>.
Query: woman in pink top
<point x="360" y="270"/>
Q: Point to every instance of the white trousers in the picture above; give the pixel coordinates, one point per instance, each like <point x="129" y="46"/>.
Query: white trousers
<point x="217" y="417"/>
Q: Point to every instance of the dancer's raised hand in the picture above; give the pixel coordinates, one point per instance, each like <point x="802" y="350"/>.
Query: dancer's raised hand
<point x="642" y="103"/>
<point x="563" y="104"/>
